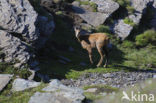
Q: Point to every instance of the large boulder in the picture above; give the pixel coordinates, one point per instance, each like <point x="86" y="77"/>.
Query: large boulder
<point x="95" y="18"/>
<point x="21" y="27"/>
<point x="56" y="92"/>
<point x="122" y="29"/>
<point x="19" y="17"/>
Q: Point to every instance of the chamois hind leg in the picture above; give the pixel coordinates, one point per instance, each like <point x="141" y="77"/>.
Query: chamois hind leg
<point x="100" y="50"/>
<point x="106" y="53"/>
<point x="90" y="55"/>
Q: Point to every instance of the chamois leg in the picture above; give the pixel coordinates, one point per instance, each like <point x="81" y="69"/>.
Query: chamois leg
<point x="106" y="53"/>
<point x="90" y="55"/>
<point x="101" y="55"/>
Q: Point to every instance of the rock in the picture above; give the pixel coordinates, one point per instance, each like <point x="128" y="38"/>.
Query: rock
<point x="58" y="93"/>
<point x="19" y="17"/>
<point x="106" y="6"/>
<point x="96" y="18"/>
<point x="122" y="29"/>
<point x="91" y="90"/>
<point x="48" y="98"/>
<point x="14" y="49"/>
<point x="22" y="84"/>
<point x="22" y="29"/>
<point x="4" y="80"/>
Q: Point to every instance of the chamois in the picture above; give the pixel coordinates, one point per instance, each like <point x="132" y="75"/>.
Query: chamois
<point x="94" y="40"/>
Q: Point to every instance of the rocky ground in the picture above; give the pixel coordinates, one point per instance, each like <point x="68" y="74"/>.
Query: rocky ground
<point x="38" y="36"/>
<point x="116" y="79"/>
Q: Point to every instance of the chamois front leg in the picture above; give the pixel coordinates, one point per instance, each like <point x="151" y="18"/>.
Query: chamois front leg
<point x="90" y="55"/>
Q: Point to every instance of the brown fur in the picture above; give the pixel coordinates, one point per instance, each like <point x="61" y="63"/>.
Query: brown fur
<point x="95" y="40"/>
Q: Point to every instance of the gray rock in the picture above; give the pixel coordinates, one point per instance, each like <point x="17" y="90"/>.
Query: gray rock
<point x="4" y="80"/>
<point x="14" y="49"/>
<point x="58" y="93"/>
<point x="19" y="17"/>
<point x="20" y="28"/>
<point x="92" y="18"/>
<point x="48" y="98"/>
<point x="22" y="84"/>
<point x="122" y="29"/>
<point x="96" y="18"/>
<point x="106" y="6"/>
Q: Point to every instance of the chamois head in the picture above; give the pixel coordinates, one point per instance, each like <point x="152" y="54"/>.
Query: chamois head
<point x="77" y="31"/>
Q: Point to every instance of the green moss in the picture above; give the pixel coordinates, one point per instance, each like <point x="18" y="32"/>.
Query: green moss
<point x="126" y="4"/>
<point x="59" y="13"/>
<point x="147" y="37"/>
<point x="94" y="6"/>
<point x="129" y="21"/>
<point x="7" y="68"/>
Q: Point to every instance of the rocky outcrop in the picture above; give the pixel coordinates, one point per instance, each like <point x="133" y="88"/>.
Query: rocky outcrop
<point x="19" y="17"/>
<point x="56" y="92"/>
<point x="20" y="28"/>
<point x="16" y="51"/>
<point x="22" y="84"/>
<point x="122" y="29"/>
<point x="4" y="80"/>
<point x="95" y="18"/>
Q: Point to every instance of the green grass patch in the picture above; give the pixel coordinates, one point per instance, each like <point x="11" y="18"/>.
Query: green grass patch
<point x="102" y="28"/>
<point x="148" y="37"/>
<point x="76" y="74"/>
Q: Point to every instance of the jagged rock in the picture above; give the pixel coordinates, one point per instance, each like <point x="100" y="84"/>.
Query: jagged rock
<point x="106" y="6"/>
<point x="20" y="28"/>
<point x="96" y="18"/>
<point x="19" y="17"/>
<point x="22" y="84"/>
<point x="4" y="80"/>
<point x="14" y="48"/>
<point x="122" y="29"/>
<point x="58" y="93"/>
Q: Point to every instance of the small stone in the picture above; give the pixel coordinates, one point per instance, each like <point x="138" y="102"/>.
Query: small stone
<point x="91" y="90"/>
